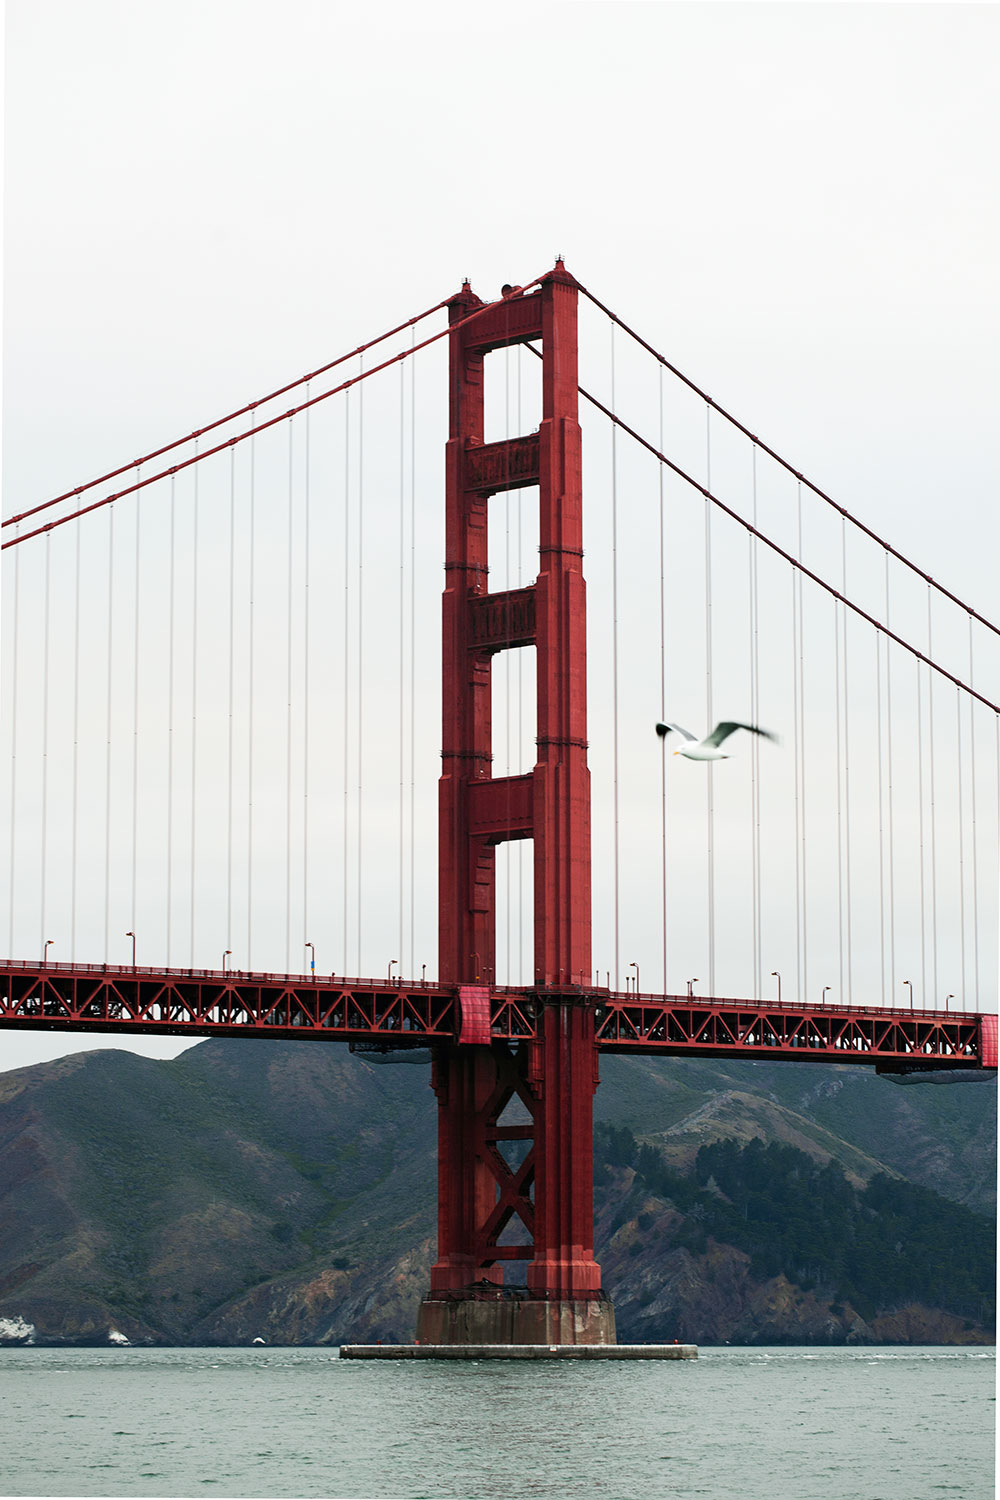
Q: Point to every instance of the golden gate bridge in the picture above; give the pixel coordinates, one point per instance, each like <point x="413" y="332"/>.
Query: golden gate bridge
<point x="217" y="679"/>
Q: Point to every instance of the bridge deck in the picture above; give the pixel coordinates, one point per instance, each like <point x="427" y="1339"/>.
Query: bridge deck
<point x="200" y="1002"/>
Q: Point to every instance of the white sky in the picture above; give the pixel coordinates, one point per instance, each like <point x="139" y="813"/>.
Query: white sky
<point x="796" y="203"/>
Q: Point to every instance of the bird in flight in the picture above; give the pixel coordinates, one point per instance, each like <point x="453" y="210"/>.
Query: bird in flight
<point x="710" y="747"/>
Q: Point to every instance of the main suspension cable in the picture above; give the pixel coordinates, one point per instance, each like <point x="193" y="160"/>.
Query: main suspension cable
<point x="786" y="556"/>
<point x="249" y="432"/>
<point x="821" y="494"/>
<point x="233" y="416"/>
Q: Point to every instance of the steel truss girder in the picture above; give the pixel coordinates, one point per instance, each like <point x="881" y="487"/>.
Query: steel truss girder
<point x="179" y="1002"/>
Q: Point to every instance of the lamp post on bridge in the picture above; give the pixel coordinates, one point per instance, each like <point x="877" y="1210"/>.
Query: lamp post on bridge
<point x="910" y="988"/>
<point x="45" y="951"/>
<point x="826" y="990"/>
<point x="312" y="959"/>
<point x="635" y="966"/>
<point x="946" y="999"/>
<point x="227" y="954"/>
<point x="132" y="936"/>
<point x="691" y="984"/>
<point x="392" y="964"/>
<point x="777" y="976"/>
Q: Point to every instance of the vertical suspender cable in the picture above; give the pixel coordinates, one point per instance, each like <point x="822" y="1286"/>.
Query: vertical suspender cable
<point x="347" y="658"/>
<point x="847" y="765"/>
<point x="250" y="685"/>
<point x="76" y="753"/>
<point x="194" y="706"/>
<point x="881" y="816"/>
<point x="797" y="723"/>
<point x="45" y="745"/>
<point x="413" y="655"/>
<point x="288" y="697"/>
<point x="107" y="772"/>
<point x="135" y="711"/>
<point x="13" y="734"/>
<point x="506" y="655"/>
<point x="520" y="703"/>
<point x="708" y="701"/>
<point x="170" y="716"/>
<point x="663" y="694"/>
<point x="755" y="745"/>
<point x="802" y="757"/>
<point x="920" y="831"/>
<point x="961" y="840"/>
<point x="232" y="641"/>
<point x="401" y="949"/>
<point x="840" y="821"/>
<point x="306" y="559"/>
<point x="361" y="630"/>
<point x="614" y="642"/>
<point x="975" y="852"/>
<point x="930" y="749"/>
<point x="888" y="758"/>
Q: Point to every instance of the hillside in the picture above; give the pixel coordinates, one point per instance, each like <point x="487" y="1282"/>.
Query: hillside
<point x="286" y="1191"/>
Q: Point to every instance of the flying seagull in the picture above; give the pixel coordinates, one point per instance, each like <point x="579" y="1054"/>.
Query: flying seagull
<point x="709" y="747"/>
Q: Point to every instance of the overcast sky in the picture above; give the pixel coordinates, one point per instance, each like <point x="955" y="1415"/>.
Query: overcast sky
<point x="797" y="203"/>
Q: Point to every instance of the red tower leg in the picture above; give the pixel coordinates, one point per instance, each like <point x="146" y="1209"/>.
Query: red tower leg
<point x="551" y="1193"/>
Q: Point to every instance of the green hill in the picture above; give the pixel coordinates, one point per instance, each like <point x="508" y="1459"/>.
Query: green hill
<point x="286" y="1191"/>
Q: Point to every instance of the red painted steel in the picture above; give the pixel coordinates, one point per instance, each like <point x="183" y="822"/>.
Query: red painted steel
<point x="536" y="1047"/>
<point x="474" y="1010"/>
<point x="555" y="1076"/>
<point x="203" y="1002"/>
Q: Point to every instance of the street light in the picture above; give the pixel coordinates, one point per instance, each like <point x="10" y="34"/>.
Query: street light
<point x="423" y="973"/>
<point x="312" y="960"/>
<point x="45" y="950"/>
<point x="910" y="986"/>
<point x="691" y="983"/>
<point x="946" y="999"/>
<point x="475" y="956"/>
<point x="227" y="954"/>
<point x="392" y="963"/>
<point x="777" y="976"/>
<point x="635" y="966"/>
<point x="132" y="936"/>
<point x="826" y="990"/>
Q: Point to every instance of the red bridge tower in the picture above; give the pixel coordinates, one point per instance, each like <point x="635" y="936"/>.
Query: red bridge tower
<point x="550" y="1192"/>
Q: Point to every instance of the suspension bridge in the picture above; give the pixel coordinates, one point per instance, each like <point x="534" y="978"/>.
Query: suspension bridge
<point x="225" y="689"/>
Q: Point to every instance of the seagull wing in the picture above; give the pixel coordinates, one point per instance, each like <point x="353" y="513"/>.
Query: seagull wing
<point x="664" y="729"/>
<point x="726" y="727"/>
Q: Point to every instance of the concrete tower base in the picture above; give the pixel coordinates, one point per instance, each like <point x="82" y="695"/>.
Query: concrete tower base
<point x="505" y="1315"/>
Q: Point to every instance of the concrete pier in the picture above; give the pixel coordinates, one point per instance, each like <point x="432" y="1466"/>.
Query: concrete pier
<point x="519" y="1351"/>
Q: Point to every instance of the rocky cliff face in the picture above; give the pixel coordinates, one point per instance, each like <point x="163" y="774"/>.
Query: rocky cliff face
<point x="286" y="1192"/>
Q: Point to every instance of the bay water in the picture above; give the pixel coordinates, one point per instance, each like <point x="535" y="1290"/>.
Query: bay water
<point x="780" y="1423"/>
